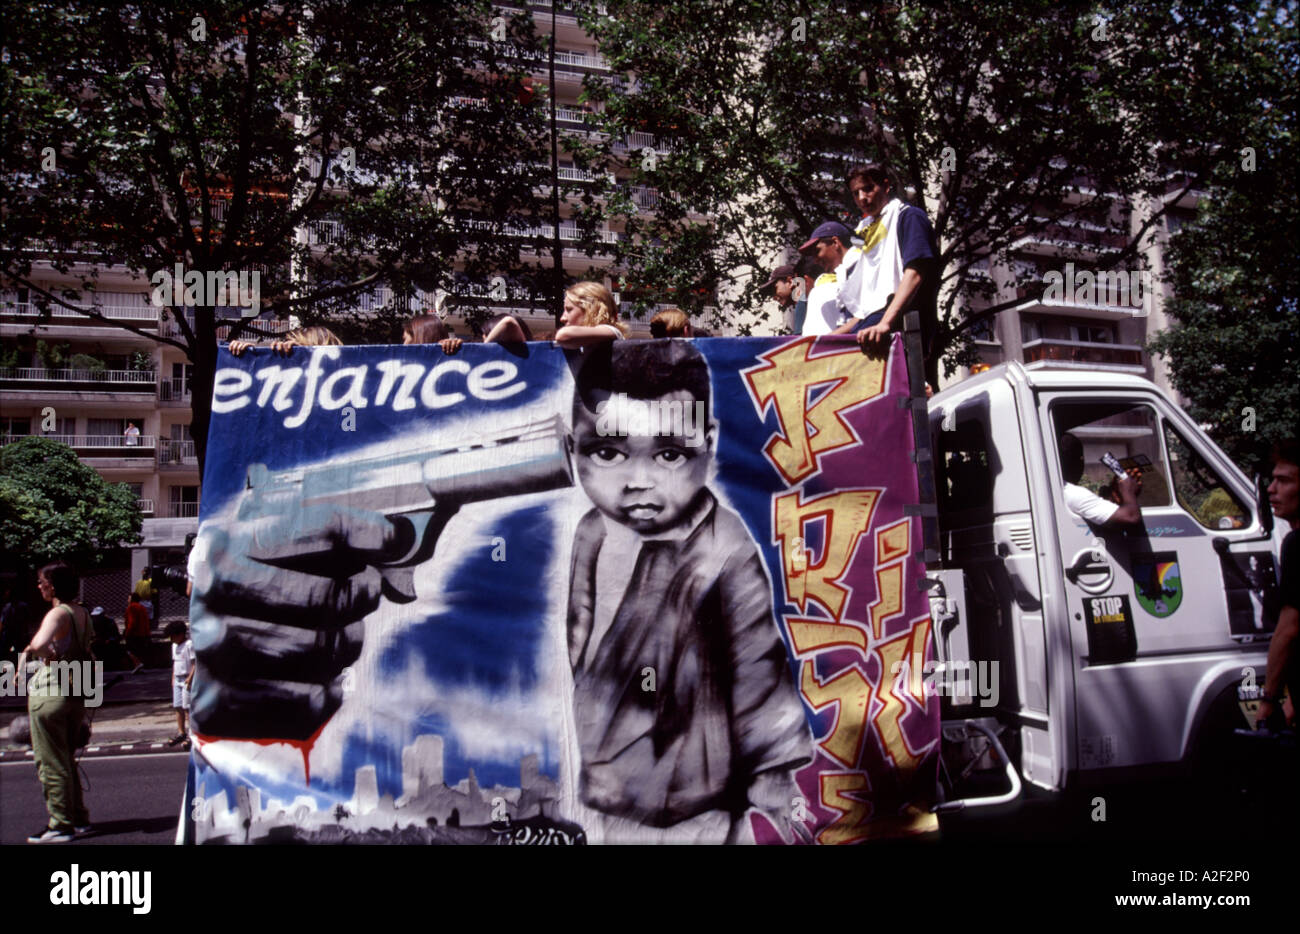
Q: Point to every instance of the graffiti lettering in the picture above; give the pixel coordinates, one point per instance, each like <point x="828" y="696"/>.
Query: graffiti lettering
<point x="852" y="693"/>
<point x="785" y="381"/>
<point x="846" y="516"/>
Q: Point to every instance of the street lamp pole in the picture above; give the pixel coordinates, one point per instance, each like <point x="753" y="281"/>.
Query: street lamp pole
<point x="557" y="250"/>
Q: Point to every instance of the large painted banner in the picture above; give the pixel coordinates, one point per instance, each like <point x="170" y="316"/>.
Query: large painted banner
<point x="656" y="591"/>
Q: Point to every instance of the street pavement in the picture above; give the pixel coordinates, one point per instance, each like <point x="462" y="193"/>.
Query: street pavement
<point x="136" y="717"/>
<point x="134" y="780"/>
<point x="133" y="799"/>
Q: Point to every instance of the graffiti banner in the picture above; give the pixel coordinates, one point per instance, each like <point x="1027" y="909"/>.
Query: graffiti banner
<point x="654" y="591"/>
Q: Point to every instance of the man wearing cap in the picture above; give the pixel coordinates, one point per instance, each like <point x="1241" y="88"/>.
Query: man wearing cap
<point x="899" y="267"/>
<point x="831" y="246"/>
<point x="782" y="282"/>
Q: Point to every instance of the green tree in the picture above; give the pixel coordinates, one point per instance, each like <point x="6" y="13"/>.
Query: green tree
<point x="1235" y="273"/>
<point x="330" y="147"/>
<point x="54" y="506"/>
<point x="1001" y="119"/>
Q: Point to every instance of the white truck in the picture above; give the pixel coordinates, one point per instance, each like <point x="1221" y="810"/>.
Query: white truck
<point x="1116" y="651"/>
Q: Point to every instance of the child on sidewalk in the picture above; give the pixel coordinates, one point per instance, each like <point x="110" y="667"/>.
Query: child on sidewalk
<point x="182" y="678"/>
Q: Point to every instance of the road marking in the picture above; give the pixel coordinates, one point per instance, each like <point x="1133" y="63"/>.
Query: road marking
<point x="138" y="755"/>
<point x="92" y="749"/>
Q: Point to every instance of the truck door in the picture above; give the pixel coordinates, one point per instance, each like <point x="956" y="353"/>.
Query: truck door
<point x="987" y="531"/>
<point x="1159" y="616"/>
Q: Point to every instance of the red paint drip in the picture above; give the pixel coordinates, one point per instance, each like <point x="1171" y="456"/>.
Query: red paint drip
<point x="304" y="746"/>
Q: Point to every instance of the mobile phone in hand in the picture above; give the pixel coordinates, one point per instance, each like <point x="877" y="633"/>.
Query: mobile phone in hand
<point x="1110" y="461"/>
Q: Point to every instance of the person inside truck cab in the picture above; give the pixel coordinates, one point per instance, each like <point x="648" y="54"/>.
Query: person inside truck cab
<point x="1094" y="509"/>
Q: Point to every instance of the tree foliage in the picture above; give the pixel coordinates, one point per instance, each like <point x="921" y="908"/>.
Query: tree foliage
<point x="331" y="147"/>
<point x="1236" y="272"/>
<point x="1001" y="119"/>
<point x="54" y="506"/>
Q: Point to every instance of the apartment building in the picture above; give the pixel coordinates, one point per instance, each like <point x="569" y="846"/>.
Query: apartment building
<point x="1077" y="308"/>
<point x="84" y="382"/>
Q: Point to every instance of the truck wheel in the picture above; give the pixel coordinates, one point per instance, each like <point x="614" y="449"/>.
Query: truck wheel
<point x="1223" y="765"/>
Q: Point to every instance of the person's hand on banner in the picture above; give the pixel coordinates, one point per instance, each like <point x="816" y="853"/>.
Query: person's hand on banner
<point x="276" y="613"/>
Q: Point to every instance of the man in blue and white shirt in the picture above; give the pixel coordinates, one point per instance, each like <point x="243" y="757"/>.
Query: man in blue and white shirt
<point x="898" y="269"/>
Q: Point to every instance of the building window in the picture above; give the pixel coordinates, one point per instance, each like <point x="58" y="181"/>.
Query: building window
<point x="182" y="374"/>
<point x="65" y="429"/>
<point x="1092" y="333"/>
<point x="105" y="428"/>
<point x="183" y="502"/>
<point x="16" y="426"/>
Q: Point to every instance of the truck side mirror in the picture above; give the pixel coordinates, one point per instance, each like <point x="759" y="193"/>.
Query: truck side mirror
<point x="1261" y="503"/>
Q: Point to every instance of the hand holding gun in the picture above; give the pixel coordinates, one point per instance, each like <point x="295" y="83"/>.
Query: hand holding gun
<point x="283" y="584"/>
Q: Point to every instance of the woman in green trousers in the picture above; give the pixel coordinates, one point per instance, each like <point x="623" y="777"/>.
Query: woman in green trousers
<point x="54" y="707"/>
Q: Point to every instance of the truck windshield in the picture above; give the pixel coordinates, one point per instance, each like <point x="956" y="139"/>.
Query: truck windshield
<point x="1199" y="489"/>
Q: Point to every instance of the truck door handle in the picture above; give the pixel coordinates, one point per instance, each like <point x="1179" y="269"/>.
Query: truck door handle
<point x="1091" y="570"/>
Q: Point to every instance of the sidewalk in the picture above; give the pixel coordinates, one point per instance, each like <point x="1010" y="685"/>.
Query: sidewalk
<point x="136" y="716"/>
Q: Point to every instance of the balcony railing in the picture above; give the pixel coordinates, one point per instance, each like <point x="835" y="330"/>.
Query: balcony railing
<point x="645" y="198"/>
<point x="1074" y="236"/>
<point x="571" y="62"/>
<point x="182" y="510"/>
<point x="129" y="380"/>
<point x="574" y="175"/>
<point x="567" y="231"/>
<point x="145" y="506"/>
<point x="636" y="142"/>
<point x="140" y="446"/>
<point x="1069" y="352"/>
<point x="112" y="312"/>
<point x="571" y="116"/>
<point x="170" y="328"/>
<point x="173" y="390"/>
<point x="176" y="454"/>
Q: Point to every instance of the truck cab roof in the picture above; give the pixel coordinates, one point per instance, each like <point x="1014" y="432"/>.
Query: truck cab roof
<point x="1044" y="378"/>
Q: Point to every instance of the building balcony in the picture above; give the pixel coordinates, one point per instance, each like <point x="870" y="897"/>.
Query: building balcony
<point x="566" y="62"/>
<point x="638" y="141"/>
<point x="1036" y="302"/>
<point x="174" y="392"/>
<point x="1078" y="240"/>
<point x="169" y="328"/>
<point x="182" y="511"/>
<point x="39" y="379"/>
<point x="1069" y="354"/>
<point x="145" y="506"/>
<point x="177" y="454"/>
<point x="145" y="316"/>
<point x="141" y="446"/>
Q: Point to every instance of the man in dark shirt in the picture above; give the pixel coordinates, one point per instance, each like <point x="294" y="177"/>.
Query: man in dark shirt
<point x="1283" y="658"/>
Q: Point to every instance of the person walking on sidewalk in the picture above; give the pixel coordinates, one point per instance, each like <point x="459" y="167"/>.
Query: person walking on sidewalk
<point x="148" y="594"/>
<point x="182" y="678"/>
<point x="64" y="635"/>
<point x="137" y="632"/>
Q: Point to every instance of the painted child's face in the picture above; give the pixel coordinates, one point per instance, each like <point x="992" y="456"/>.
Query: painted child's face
<point x="644" y="481"/>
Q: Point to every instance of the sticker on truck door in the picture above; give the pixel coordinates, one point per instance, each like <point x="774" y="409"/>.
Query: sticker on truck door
<point x="1253" y="600"/>
<point x="1111" y="637"/>
<point x="1157" y="582"/>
